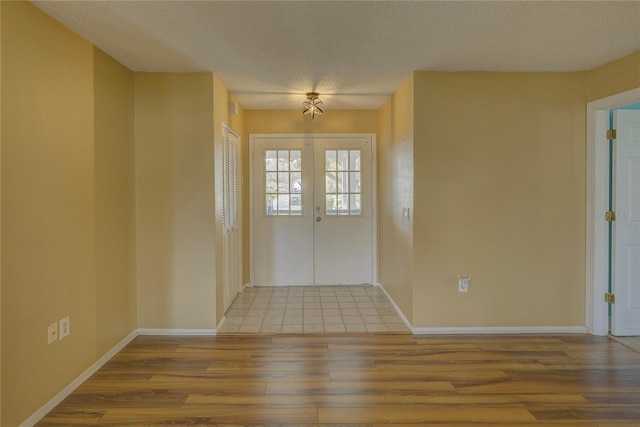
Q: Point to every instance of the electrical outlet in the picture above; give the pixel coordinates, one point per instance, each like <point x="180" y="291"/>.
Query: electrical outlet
<point x="65" y="327"/>
<point x="463" y="284"/>
<point x="52" y="332"/>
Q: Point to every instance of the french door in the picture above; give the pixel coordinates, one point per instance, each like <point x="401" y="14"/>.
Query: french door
<point x="312" y="209"/>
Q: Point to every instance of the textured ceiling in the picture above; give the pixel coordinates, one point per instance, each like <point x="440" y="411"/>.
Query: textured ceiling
<point x="355" y="53"/>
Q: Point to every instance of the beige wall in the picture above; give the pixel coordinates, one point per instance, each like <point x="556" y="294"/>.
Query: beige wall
<point x="292" y="121"/>
<point x="55" y="158"/>
<point x="0" y="211"/>
<point x="500" y="195"/>
<point x="395" y="192"/>
<point x="114" y="201"/>
<point x="615" y="77"/>
<point x="48" y="269"/>
<point x="175" y="200"/>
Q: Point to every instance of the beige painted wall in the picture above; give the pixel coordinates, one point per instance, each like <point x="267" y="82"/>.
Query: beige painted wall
<point x="395" y="192"/>
<point x="500" y="195"/>
<point x="175" y="231"/>
<point x="615" y="77"/>
<point x="292" y="121"/>
<point x="0" y="211"/>
<point x="114" y="201"/>
<point x="48" y="211"/>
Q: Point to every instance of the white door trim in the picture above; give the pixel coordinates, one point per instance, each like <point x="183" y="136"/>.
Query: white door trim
<point x="596" y="312"/>
<point x="374" y="191"/>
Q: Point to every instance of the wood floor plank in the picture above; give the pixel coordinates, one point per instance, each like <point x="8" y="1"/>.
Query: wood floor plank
<point x="506" y="387"/>
<point x="191" y="416"/>
<point x="72" y="416"/>
<point x="426" y="375"/>
<point x="210" y="376"/>
<point x="158" y="398"/>
<point x="394" y="414"/>
<point x="315" y="400"/>
<point x="487" y="399"/>
<point x="607" y="413"/>
<point x="409" y="365"/>
<point x="357" y="387"/>
<point x="365" y="339"/>
<point x="232" y="388"/>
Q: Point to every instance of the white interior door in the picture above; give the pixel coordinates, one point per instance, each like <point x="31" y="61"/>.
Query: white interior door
<point x="312" y="210"/>
<point x="626" y="235"/>
<point x="343" y="209"/>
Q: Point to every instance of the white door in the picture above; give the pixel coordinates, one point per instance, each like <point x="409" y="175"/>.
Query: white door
<point x="626" y="235"/>
<point x="231" y="244"/>
<point x="312" y="210"/>
<point x="343" y="209"/>
<point x="282" y="211"/>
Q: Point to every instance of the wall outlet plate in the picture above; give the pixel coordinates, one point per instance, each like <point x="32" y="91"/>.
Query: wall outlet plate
<point x="52" y="332"/>
<point x="65" y="327"/>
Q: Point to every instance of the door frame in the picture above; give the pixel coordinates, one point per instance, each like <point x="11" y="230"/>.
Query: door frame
<point x="312" y="136"/>
<point x="596" y="310"/>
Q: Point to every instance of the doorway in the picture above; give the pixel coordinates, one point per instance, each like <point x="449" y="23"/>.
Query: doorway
<point x="613" y="174"/>
<point x="312" y="215"/>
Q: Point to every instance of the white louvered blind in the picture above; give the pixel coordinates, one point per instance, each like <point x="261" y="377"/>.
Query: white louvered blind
<point x="231" y="261"/>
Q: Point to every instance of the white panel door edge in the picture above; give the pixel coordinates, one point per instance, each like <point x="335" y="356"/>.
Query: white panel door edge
<point x="625" y="320"/>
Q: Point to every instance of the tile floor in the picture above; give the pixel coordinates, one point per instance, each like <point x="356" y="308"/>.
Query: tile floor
<point x="312" y="309"/>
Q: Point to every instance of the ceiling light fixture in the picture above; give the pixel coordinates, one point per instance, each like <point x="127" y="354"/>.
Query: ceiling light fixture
<point x="312" y="105"/>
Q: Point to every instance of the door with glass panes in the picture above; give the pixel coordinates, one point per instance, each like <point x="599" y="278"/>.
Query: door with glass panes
<point x="312" y="210"/>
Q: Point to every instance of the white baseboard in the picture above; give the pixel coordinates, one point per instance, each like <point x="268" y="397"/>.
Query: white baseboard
<point x="159" y="331"/>
<point x="480" y="330"/>
<point x="395" y="306"/>
<point x="40" y="413"/>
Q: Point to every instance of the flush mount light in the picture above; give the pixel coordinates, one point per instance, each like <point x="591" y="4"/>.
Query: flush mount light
<point x="312" y="106"/>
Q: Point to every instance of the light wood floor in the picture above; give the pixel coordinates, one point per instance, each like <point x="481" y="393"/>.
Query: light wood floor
<point x="578" y="380"/>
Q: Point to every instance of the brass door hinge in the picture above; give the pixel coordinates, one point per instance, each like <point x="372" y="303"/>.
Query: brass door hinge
<point x="610" y="216"/>
<point x="609" y="298"/>
<point x="611" y="134"/>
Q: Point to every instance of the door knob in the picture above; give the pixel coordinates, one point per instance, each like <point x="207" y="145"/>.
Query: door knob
<point x="318" y="219"/>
